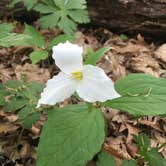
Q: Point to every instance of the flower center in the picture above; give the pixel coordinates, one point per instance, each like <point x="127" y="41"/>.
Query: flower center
<point x="78" y="75"/>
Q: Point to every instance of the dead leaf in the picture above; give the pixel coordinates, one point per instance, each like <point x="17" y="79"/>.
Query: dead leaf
<point x="132" y="149"/>
<point x="140" y="39"/>
<point x="131" y="48"/>
<point x="117" y="148"/>
<point x="5" y="73"/>
<point x="7" y="128"/>
<point x="132" y="130"/>
<point x="32" y="72"/>
<point x="25" y="150"/>
<point x="160" y="53"/>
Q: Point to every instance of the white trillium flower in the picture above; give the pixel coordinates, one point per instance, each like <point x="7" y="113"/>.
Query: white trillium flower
<point x="90" y="82"/>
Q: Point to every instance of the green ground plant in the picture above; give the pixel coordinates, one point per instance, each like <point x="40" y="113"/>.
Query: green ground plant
<point x="65" y="14"/>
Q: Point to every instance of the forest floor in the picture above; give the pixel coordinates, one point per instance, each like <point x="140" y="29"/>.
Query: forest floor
<point x="128" y="55"/>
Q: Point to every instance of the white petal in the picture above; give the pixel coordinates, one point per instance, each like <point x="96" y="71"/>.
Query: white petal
<point x="57" y="89"/>
<point x="68" y="57"/>
<point x="96" y="86"/>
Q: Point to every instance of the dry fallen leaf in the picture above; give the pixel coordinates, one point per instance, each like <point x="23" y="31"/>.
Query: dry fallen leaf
<point x="131" y="130"/>
<point x="32" y="72"/>
<point x="5" y="73"/>
<point x="117" y="147"/>
<point x="6" y="127"/>
<point x="160" y="53"/>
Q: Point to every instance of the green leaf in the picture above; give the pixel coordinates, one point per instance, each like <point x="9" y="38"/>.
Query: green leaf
<point x="71" y="136"/>
<point x="2" y="100"/>
<point x="31" y="91"/>
<point x="15" y="104"/>
<point x="143" y="141"/>
<point x="29" y="3"/>
<point x="37" y="56"/>
<point x="29" y="116"/>
<point x="123" y="37"/>
<point x="163" y="162"/>
<point x="60" y="39"/>
<point x="154" y="158"/>
<point x="14" y="2"/>
<point x="35" y="87"/>
<point x="14" y="39"/>
<point x="80" y="16"/>
<point x="129" y="163"/>
<point x="49" y="21"/>
<point x="68" y="25"/>
<point x="30" y="120"/>
<point x="44" y="9"/>
<point x="105" y="159"/>
<point x="36" y="38"/>
<point x="31" y="37"/>
<point x="141" y="95"/>
<point x="49" y="2"/>
<point x="140" y="84"/>
<point x="151" y="155"/>
<point x="5" y="29"/>
<point x="93" y="57"/>
<point x="64" y="14"/>
<point x="75" y="4"/>
<point x="3" y="91"/>
<point x="23" y="113"/>
<point x="140" y="105"/>
<point x="13" y="84"/>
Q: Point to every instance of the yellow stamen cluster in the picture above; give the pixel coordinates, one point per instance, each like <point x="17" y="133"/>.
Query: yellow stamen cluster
<point x="78" y="75"/>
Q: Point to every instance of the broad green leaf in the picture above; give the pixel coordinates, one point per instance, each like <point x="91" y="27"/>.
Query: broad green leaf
<point x="15" y="104"/>
<point x="37" y="56"/>
<point x="141" y="84"/>
<point x="71" y="136"/>
<point x="60" y="39"/>
<point x="93" y="57"/>
<point x="163" y="162"/>
<point x="140" y="105"/>
<point x="129" y="163"/>
<point x="104" y="159"/>
<point x="14" y="39"/>
<point x="37" y="38"/>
